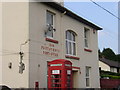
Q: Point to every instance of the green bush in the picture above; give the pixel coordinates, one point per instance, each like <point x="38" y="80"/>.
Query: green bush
<point x="109" y="73"/>
<point x="110" y="76"/>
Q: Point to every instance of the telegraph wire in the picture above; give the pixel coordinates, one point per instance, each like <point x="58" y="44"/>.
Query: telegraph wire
<point x="7" y="51"/>
<point x="4" y="53"/>
<point x="111" y="35"/>
<point x="105" y="9"/>
<point x="9" y="54"/>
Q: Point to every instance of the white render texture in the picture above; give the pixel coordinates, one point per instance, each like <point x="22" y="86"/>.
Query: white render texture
<point x="23" y="21"/>
<point x="14" y="32"/>
<point x="0" y="42"/>
<point x="104" y="66"/>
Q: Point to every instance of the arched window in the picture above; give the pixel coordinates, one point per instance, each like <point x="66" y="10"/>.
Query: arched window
<point x="70" y="43"/>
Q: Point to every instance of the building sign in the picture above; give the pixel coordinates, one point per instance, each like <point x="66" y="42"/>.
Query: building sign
<point x="68" y="71"/>
<point x="56" y="65"/>
<point x="55" y="71"/>
<point x="68" y="65"/>
<point x="50" y="50"/>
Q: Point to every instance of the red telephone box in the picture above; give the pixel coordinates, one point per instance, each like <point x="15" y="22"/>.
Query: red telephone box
<point x="60" y="74"/>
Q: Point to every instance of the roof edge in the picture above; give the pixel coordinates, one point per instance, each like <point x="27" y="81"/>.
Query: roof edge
<point x="71" y="14"/>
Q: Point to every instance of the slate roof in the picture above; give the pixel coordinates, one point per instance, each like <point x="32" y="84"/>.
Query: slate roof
<point x="110" y="62"/>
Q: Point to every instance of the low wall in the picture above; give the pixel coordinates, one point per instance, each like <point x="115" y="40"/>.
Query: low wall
<point x="109" y="83"/>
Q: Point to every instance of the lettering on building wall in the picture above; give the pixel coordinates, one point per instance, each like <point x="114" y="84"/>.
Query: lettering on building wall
<point x="50" y="50"/>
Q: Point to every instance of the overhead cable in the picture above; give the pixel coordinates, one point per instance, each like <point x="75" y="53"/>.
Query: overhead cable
<point x="105" y="9"/>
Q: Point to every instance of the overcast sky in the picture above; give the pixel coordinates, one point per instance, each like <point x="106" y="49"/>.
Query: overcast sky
<point x="108" y="37"/>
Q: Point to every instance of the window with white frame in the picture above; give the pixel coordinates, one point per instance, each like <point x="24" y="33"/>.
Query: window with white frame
<point x="70" y="43"/>
<point x="87" y="76"/>
<point x="50" y="24"/>
<point x="86" y="37"/>
<point x="112" y="69"/>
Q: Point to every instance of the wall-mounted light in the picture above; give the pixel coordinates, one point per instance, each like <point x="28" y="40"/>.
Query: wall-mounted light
<point x="63" y="13"/>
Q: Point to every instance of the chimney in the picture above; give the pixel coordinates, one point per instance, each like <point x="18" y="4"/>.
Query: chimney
<point x="61" y="2"/>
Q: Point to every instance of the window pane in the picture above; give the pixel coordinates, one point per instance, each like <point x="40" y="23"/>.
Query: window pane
<point x="56" y="85"/>
<point x="72" y="36"/>
<point x="50" y="33"/>
<point x="87" y="82"/>
<point x="67" y="47"/>
<point x="87" y="76"/>
<point x="86" y="42"/>
<point x="70" y="43"/>
<point x="74" y="49"/>
<point x="70" y="48"/>
<point x="87" y="71"/>
<point x="49" y="18"/>
<point x="85" y="33"/>
<point x="86" y="36"/>
<point x="56" y="76"/>
<point x="68" y="35"/>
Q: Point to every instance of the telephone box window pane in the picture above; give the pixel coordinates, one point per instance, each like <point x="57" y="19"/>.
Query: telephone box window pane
<point x="68" y="77"/>
<point x="68" y="84"/>
<point x="55" y="71"/>
<point x="56" y="85"/>
<point x="56" y="80"/>
<point x="68" y="71"/>
<point x="55" y="76"/>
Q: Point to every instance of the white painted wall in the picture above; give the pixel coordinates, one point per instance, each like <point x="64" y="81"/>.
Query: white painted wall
<point x="0" y="43"/>
<point x="24" y="21"/>
<point x="37" y="27"/>
<point x="104" y="66"/>
<point x="113" y="69"/>
<point x="15" y="32"/>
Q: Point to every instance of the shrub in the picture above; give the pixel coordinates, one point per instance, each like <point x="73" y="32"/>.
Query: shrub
<point x="110" y="76"/>
<point x="109" y="73"/>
